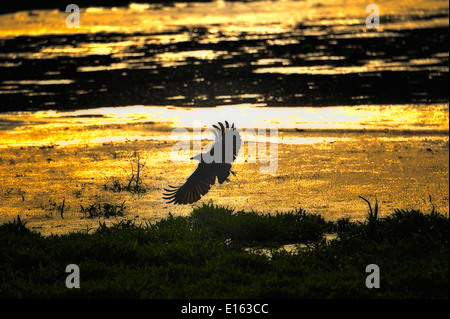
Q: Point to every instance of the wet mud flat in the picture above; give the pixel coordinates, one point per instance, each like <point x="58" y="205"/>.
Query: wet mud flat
<point x="51" y="186"/>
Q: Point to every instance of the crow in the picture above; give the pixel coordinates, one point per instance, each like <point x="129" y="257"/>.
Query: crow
<point x="216" y="163"/>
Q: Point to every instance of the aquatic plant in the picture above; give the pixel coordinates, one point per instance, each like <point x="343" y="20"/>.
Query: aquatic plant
<point x="105" y="210"/>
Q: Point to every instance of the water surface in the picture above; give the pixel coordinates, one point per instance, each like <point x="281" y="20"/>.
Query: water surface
<point x="267" y="53"/>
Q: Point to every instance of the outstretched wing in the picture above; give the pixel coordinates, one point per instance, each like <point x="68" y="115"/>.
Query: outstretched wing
<point x="228" y="139"/>
<point x="197" y="185"/>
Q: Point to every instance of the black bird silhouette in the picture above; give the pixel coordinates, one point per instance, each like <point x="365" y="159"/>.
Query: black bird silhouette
<point x="214" y="163"/>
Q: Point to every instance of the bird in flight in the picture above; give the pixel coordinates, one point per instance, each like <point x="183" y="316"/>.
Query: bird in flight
<point x="216" y="163"/>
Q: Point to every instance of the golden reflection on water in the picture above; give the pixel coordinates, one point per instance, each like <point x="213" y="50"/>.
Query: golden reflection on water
<point x="131" y="123"/>
<point x="171" y="59"/>
<point x="228" y="21"/>
<point x="263" y="17"/>
<point x="370" y="66"/>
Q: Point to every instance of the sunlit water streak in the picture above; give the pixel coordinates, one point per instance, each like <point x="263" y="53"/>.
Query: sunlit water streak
<point x="16" y="127"/>
<point x="265" y="17"/>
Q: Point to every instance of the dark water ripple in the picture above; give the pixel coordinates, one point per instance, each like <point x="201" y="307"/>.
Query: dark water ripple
<point x="396" y="67"/>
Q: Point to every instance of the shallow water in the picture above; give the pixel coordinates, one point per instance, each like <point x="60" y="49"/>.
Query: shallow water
<point x="77" y="157"/>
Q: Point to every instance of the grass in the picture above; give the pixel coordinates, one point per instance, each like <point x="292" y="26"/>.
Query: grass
<point x="135" y="184"/>
<point x="205" y="255"/>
